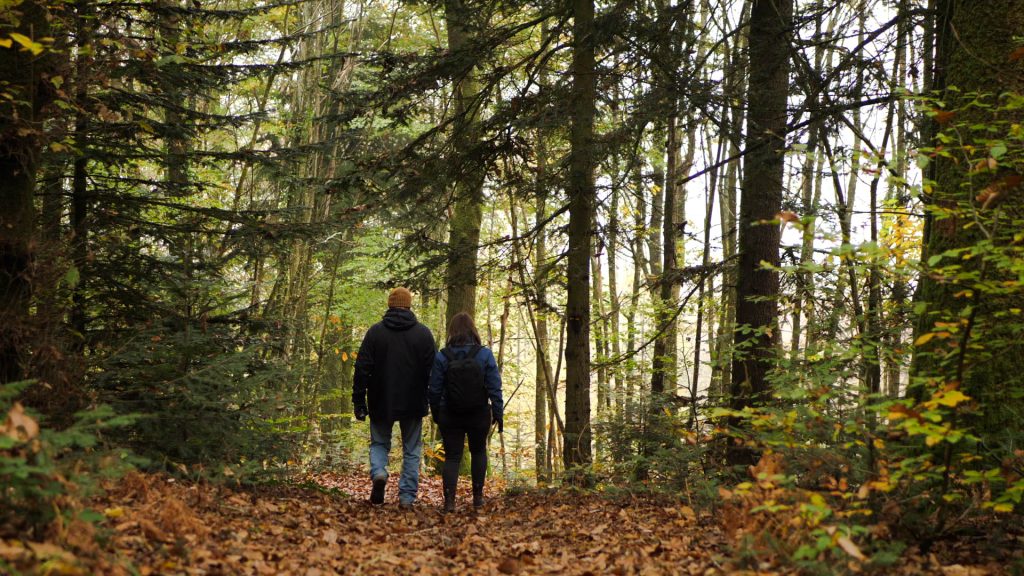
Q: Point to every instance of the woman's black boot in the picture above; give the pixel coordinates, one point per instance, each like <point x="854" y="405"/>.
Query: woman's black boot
<point x="449" y="499"/>
<point x="478" y="496"/>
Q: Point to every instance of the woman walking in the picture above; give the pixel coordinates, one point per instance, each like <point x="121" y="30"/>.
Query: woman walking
<point x="465" y="396"/>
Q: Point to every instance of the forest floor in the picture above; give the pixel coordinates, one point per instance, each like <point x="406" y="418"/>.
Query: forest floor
<point x="156" y="525"/>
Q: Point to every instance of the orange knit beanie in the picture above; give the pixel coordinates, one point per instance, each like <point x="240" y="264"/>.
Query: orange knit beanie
<point x="400" y="298"/>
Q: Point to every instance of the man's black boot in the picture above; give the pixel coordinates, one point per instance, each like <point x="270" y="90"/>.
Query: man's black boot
<point x="380" y="482"/>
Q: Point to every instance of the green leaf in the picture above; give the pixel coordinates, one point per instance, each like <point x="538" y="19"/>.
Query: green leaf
<point x="72" y="277"/>
<point x="998" y="150"/>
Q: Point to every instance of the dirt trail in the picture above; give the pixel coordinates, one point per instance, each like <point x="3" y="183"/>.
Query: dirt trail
<point x="156" y="525"/>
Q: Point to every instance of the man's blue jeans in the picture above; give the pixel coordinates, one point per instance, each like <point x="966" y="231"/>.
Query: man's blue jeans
<point x="412" y="451"/>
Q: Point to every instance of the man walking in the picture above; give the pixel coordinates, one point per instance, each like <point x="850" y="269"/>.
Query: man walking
<point x="390" y="385"/>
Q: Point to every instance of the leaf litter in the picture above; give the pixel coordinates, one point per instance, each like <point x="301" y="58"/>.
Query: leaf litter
<point x="157" y="525"/>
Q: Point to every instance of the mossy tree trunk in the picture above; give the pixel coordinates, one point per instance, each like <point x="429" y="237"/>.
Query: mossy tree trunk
<point x="467" y="207"/>
<point x="975" y="44"/>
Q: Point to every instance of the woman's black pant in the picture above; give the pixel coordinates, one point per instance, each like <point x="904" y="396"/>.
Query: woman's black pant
<point x="455" y="428"/>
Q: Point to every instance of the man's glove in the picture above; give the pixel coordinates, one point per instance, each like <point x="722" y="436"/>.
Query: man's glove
<point x="500" y="421"/>
<point x="361" y="413"/>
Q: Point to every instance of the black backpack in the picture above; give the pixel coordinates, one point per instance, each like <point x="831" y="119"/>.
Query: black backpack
<point x="464" y="382"/>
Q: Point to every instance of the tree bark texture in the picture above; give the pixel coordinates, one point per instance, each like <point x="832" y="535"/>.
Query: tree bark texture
<point x="581" y="192"/>
<point x="467" y="206"/>
<point x="974" y="43"/>
<point x="21" y="75"/>
<point x="761" y="200"/>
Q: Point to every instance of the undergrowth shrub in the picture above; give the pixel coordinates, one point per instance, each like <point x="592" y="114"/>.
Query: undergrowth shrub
<point x="847" y="477"/>
<point x="655" y="446"/>
<point x="44" y="472"/>
<point x="209" y="401"/>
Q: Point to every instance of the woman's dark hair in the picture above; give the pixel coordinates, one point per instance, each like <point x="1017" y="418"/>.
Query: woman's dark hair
<point x="462" y="331"/>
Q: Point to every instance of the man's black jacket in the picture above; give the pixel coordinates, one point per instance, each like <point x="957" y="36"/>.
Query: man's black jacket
<point x="393" y="366"/>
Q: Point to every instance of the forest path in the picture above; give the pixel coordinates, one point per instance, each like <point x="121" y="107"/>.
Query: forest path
<point x="159" y="526"/>
<point x="151" y="524"/>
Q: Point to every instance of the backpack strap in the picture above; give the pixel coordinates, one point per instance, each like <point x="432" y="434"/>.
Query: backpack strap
<point x="474" y="351"/>
<point x="448" y="353"/>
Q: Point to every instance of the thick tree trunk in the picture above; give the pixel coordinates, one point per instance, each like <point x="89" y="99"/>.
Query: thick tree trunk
<point x="581" y="192"/>
<point x="467" y="209"/>
<point x="974" y="44"/>
<point x="177" y="141"/>
<point x="21" y="74"/>
<point x="758" y="284"/>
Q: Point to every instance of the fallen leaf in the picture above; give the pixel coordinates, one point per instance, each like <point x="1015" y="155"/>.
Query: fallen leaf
<point x="152" y="531"/>
<point x="510" y="566"/>
<point x="12" y="552"/>
<point x="850" y="548"/>
<point x="116" y="512"/>
<point x="20" y="426"/>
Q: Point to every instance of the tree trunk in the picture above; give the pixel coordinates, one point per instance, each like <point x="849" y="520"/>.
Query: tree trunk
<point x="758" y="285"/>
<point x="735" y="78"/>
<point x="467" y="209"/>
<point x="600" y="326"/>
<point x="79" y="182"/>
<point x="21" y="74"/>
<point x="581" y="193"/>
<point x="637" y="243"/>
<point x="543" y="367"/>
<point x="613" y="283"/>
<point x="974" y="44"/>
<point x="542" y="372"/>
<point x="663" y="369"/>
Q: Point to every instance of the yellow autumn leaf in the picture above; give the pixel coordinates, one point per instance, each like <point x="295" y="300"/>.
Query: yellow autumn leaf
<point x="883" y="485"/>
<point x="344" y="356"/>
<point x="114" y="512"/>
<point x="27" y="43"/>
<point x="1003" y="507"/>
<point x="6" y="42"/>
<point x="924" y="339"/>
<point x="951" y="398"/>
